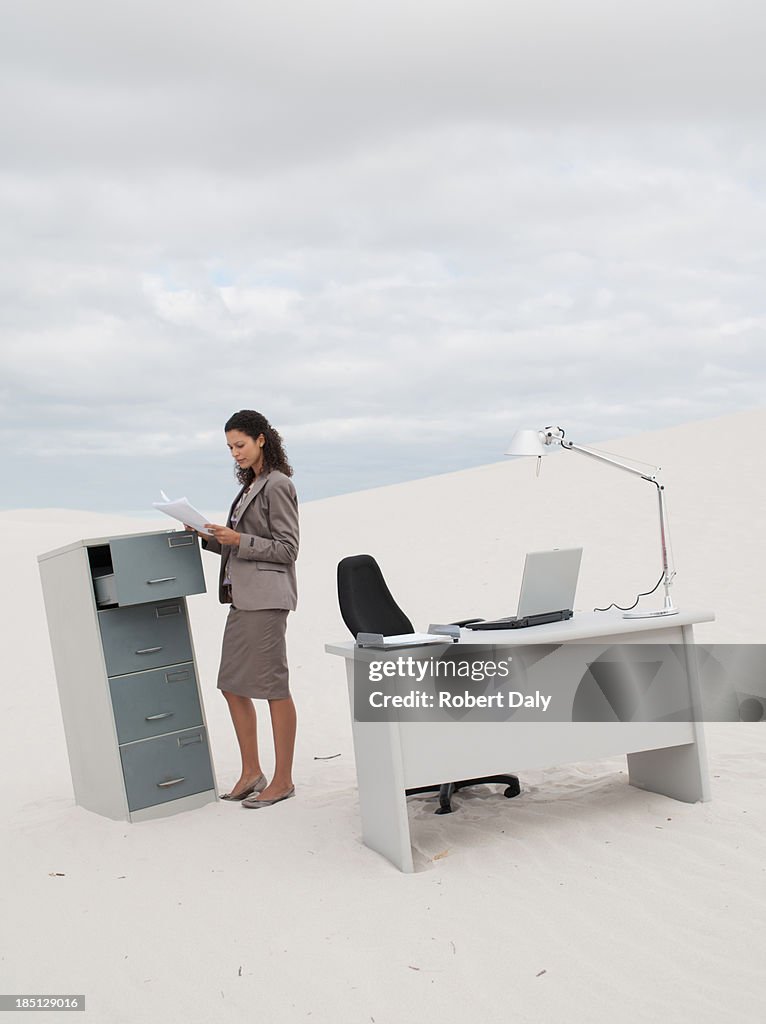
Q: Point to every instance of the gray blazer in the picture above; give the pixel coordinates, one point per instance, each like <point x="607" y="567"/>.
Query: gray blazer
<point x="262" y="568"/>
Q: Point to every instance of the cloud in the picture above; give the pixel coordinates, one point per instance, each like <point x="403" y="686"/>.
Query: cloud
<point x="398" y="231"/>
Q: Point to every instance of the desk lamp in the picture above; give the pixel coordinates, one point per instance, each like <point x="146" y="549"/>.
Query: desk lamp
<point x="542" y="442"/>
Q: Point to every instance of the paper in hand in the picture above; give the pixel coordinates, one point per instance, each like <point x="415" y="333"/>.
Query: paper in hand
<point x="185" y="513"/>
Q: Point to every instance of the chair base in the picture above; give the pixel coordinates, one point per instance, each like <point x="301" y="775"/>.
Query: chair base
<point x="446" y="789"/>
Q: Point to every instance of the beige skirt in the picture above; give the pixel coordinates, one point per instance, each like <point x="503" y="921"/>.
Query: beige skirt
<point x="254" y="654"/>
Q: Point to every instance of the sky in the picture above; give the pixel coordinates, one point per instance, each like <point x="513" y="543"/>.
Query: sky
<point x="399" y="230"/>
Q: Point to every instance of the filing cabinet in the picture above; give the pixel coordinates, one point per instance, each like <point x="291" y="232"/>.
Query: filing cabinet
<point x="126" y="672"/>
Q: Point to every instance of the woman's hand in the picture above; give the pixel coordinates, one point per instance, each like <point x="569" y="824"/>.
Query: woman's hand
<point x="199" y="534"/>
<point x="224" y="535"/>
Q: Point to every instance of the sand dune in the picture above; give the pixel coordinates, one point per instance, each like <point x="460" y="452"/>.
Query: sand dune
<point x="584" y="900"/>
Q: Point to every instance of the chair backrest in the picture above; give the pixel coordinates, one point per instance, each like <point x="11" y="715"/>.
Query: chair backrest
<point x="365" y="601"/>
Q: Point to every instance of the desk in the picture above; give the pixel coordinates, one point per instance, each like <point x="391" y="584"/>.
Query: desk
<point x="667" y="757"/>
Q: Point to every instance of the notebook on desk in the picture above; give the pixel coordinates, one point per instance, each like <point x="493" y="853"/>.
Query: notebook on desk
<point x="547" y="593"/>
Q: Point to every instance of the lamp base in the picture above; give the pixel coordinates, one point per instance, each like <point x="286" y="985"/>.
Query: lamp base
<point x="668" y="608"/>
<point x="656" y="614"/>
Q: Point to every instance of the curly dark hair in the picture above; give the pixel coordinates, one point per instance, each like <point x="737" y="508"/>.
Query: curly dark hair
<point x="254" y="424"/>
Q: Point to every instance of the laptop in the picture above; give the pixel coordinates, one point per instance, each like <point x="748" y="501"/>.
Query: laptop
<point x="548" y="589"/>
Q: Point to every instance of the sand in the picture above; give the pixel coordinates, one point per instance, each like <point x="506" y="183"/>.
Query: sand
<point x="583" y="900"/>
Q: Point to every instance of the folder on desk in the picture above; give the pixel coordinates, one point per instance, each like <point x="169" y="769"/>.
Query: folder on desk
<point x="377" y="640"/>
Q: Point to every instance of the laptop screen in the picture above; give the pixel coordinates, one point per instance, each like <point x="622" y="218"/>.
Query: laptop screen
<point x="549" y="581"/>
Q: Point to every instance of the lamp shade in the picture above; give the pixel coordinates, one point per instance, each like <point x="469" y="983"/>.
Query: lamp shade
<point x="527" y="442"/>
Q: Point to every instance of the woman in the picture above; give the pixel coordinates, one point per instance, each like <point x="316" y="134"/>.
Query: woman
<point x="258" y="548"/>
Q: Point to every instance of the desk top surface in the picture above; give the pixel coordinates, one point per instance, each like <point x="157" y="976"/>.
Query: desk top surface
<point x="582" y="626"/>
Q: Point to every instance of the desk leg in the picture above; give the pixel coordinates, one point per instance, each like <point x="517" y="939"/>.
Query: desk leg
<point x="678" y="772"/>
<point x="380" y="778"/>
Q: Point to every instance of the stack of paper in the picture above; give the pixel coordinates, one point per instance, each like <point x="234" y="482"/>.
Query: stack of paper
<point x="181" y="510"/>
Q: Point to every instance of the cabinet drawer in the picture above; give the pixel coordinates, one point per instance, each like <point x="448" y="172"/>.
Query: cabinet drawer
<point x="151" y="567"/>
<point x="156" y="702"/>
<point x="166" y="768"/>
<point x="144" y="636"/>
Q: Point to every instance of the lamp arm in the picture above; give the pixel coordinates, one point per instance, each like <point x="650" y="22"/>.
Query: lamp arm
<point x="668" y="572"/>
<point x="667" y="569"/>
<point x="571" y="446"/>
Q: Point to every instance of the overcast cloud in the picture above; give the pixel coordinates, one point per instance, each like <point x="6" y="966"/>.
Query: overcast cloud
<point x="399" y="230"/>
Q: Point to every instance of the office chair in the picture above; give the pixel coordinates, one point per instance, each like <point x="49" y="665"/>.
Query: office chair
<point x="367" y="606"/>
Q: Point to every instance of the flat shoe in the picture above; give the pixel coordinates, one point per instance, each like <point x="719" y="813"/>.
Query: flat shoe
<point x="257" y="787"/>
<point x="254" y="802"/>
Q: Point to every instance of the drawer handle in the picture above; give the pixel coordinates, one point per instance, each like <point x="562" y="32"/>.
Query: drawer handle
<point x="156" y="718"/>
<point x="167" y="609"/>
<point x="173" y="782"/>
<point x="149" y="650"/>
<point x="164" y="579"/>
<point x="182" y="541"/>
<point x="177" y="677"/>
<point x="184" y="741"/>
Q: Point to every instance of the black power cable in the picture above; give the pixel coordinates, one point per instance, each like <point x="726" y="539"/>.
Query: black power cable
<point x="646" y="593"/>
